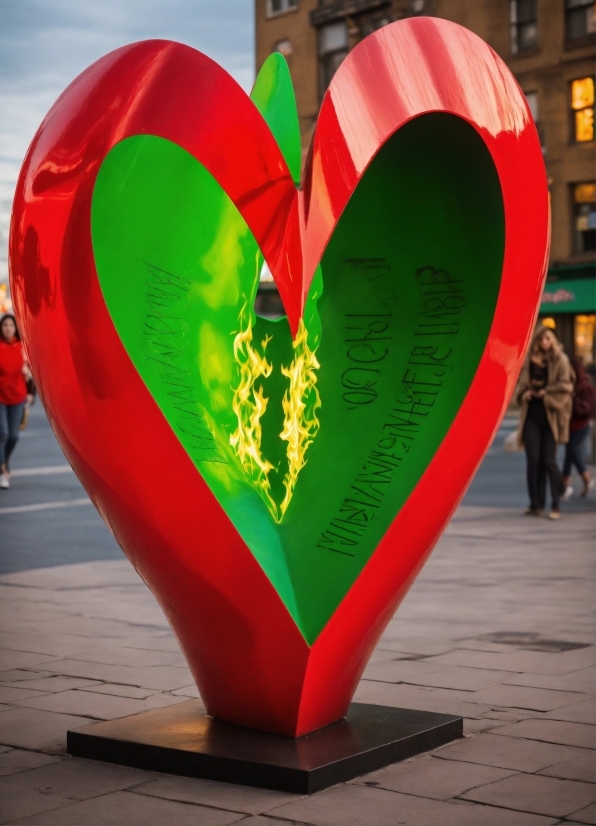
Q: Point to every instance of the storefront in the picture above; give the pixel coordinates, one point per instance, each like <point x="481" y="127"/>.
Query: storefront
<point x="569" y="308"/>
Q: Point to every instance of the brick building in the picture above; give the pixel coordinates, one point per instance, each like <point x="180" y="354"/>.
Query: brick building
<point x="548" y="45"/>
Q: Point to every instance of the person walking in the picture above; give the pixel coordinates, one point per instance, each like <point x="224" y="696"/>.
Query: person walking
<point x="544" y="394"/>
<point x="14" y="373"/>
<point x="579" y="427"/>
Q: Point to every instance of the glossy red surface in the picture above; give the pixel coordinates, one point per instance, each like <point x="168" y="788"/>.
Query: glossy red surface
<point x="250" y="662"/>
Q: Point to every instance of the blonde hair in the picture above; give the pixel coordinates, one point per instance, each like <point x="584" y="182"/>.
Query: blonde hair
<point x="535" y="349"/>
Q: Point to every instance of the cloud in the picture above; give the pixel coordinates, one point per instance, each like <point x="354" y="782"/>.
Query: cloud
<point x="45" y="44"/>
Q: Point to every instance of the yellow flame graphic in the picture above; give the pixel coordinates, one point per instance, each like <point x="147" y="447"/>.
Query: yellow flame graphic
<point x="300" y="403"/>
<point x="249" y="405"/>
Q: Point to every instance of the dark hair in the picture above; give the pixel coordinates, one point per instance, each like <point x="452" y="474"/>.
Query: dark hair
<point x="13" y="319"/>
<point x="579" y="369"/>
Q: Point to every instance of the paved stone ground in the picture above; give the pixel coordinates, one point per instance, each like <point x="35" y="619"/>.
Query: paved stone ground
<point x="498" y="628"/>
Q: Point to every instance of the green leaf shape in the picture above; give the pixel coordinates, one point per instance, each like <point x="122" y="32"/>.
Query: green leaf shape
<point x="273" y="95"/>
<point x="411" y="278"/>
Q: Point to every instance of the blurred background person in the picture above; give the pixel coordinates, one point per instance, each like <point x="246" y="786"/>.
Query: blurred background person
<point x="579" y="428"/>
<point x="545" y="396"/>
<point x="14" y="374"/>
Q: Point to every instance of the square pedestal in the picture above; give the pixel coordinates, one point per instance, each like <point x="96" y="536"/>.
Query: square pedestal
<point x="182" y="739"/>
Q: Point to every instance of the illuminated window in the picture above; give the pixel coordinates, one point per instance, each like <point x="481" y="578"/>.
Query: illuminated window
<point x="333" y="47"/>
<point x="280" y="6"/>
<point x="580" y="18"/>
<point x="584" y="217"/>
<point x="583" y="335"/>
<point x="582" y="104"/>
<point x="523" y="24"/>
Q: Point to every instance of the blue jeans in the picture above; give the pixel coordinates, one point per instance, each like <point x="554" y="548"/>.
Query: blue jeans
<point x="10" y="420"/>
<point x="573" y="451"/>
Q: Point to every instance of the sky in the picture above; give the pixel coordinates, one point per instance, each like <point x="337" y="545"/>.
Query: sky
<point x="44" y="44"/>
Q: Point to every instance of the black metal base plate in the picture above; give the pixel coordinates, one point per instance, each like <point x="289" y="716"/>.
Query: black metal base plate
<point x="182" y="739"/>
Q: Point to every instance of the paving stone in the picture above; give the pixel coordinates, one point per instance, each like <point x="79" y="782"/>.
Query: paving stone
<point x="581" y="767"/>
<point x="132" y="657"/>
<point x="587" y="815"/>
<point x="154" y="641"/>
<point x="52" y="684"/>
<point x="351" y="804"/>
<point x="21" y="659"/>
<point x="415" y="644"/>
<point x="533" y="661"/>
<point x="75" y="779"/>
<point x="8" y="694"/>
<point x="29" y="728"/>
<point x="398" y="671"/>
<point x="61" y="645"/>
<point x="459" y="678"/>
<point x="582" y="680"/>
<point x="187" y="691"/>
<point x="265" y="820"/>
<point x="14" y="806"/>
<point x="121" y="690"/>
<point x="584" y="712"/>
<point x="211" y="793"/>
<point x="476" y="726"/>
<point x="549" y="796"/>
<point x="421" y="697"/>
<point x="553" y="731"/>
<point x="506" y="752"/>
<point x="161" y="678"/>
<point x="508" y="715"/>
<point x="17" y="674"/>
<point x="429" y="777"/>
<point x="97" y="706"/>
<point x="129" y="809"/>
<point x="17" y="760"/>
<point x="537" y="699"/>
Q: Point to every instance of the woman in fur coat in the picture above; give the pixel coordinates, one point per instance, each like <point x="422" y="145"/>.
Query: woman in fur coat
<point x="545" y="396"/>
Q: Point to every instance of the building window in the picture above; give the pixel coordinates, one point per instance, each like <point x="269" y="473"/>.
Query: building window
<point x="584" y="217"/>
<point x="523" y="25"/>
<point x="580" y="18"/>
<point x="532" y="100"/>
<point x="582" y="104"/>
<point x="333" y="47"/>
<point x="280" y="6"/>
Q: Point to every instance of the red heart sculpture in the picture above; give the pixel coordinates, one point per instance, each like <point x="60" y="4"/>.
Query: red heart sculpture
<point x="251" y="662"/>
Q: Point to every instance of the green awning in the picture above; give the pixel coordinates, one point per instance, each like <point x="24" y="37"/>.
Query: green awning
<point x="573" y="295"/>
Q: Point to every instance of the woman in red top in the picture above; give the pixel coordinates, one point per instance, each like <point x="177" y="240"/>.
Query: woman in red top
<point x="579" y="427"/>
<point x="13" y="391"/>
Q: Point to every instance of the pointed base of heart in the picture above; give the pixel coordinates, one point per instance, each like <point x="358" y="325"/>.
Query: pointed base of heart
<point x="182" y="739"/>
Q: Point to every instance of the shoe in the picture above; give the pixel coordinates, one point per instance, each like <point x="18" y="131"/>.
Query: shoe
<point x="533" y="511"/>
<point x="567" y="494"/>
<point x="588" y="488"/>
<point x="4" y="483"/>
<point x="554" y="515"/>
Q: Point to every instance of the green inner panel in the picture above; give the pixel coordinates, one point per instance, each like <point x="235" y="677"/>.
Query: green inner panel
<point x="395" y="325"/>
